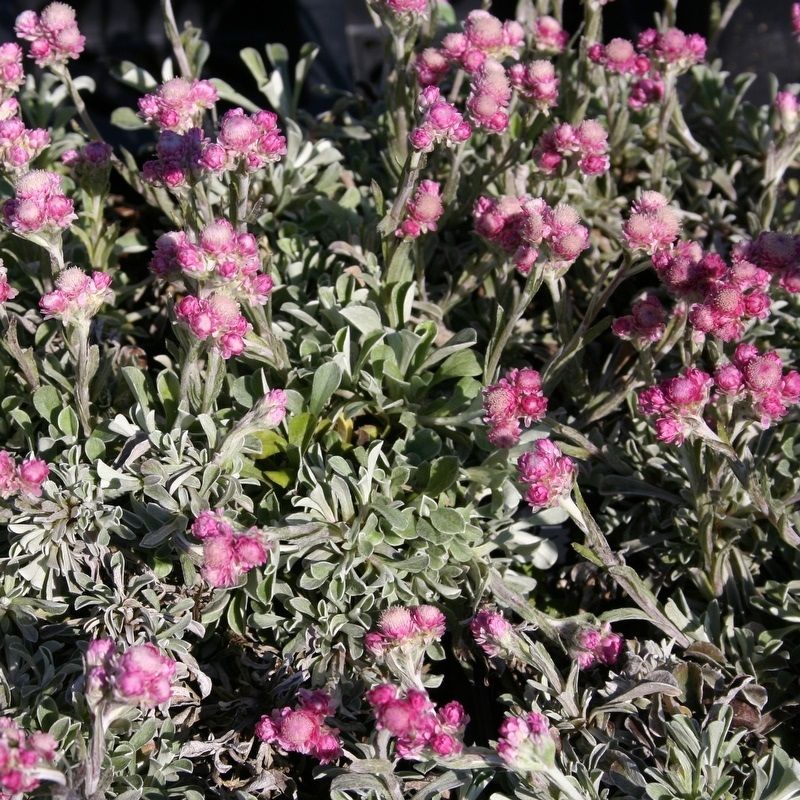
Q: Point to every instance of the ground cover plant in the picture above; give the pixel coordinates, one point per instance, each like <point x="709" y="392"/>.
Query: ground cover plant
<point x="443" y="445"/>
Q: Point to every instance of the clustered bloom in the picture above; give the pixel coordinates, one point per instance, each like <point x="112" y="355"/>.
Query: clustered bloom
<point x="217" y="319"/>
<point x="53" y="34"/>
<point x="303" y="729"/>
<point x="587" y="143"/>
<point x="178" y="159"/>
<point x="398" y="626"/>
<point x="777" y="253"/>
<point x="23" y="758"/>
<point x="653" y="224"/>
<point x="77" y="296"/>
<point x="422" y="211"/>
<point x="646" y="92"/>
<point x="141" y="675"/>
<point x="484" y="37"/>
<point x="441" y="123"/>
<point x="489" y="96"/>
<point x="536" y="83"/>
<point x="12" y="75"/>
<point x="525" y="743"/>
<point x="598" y="647"/>
<point x="759" y="378"/>
<point x="548" y="473"/>
<point x="548" y="35"/>
<point x="517" y="396"/>
<point x="787" y="109"/>
<point x="7" y="291"/>
<point x="39" y="204"/>
<point x="619" y="56"/>
<point x="492" y="632"/>
<point x="419" y="728"/>
<point x="526" y="227"/>
<point x="91" y="163"/>
<point x="178" y="104"/>
<point x="222" y="255"/>
<point x="645" y="324"/>
<point x="227" y="555"/>
<point x="252" y="140"/>
<point x="431" y="66"/>
<point x="407" y="10"/>
<point x="677" y="404"/>
<point x="673" y="47"/>
<point x="24" y="478"/>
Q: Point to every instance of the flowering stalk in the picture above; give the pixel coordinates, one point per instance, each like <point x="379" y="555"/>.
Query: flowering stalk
<point x="84" y="359"/>
<point x="415" y="161"/>
<point x="171" y="28"/>
<point x="502" y="334"/>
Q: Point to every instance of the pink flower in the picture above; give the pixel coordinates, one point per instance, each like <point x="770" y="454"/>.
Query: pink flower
<point x="492" y="632"/>
<point x="39" y="205"/>
<point x="12" y="75"/>
<point x="7" y="291"/>
<point x="525" y="744"/>
<point x="536" y="82"/>
<point x="517" y="396"/>
<point x="422" y="211"/>
<point x="645" y="92"/>
<point x="796" y="19"/>
<point x="586" y="146"/>
<point x="216" y="319"/>
<point x="431" y="66"/>
<point x="619" y="56"/>
<point x="489" y="96"/>
<point x="548" y="35"/>
<point x="303" y="729"/>
<point x="179" y="159"/>
<point x="77" y="296"/>
<point x="673" y="47"/>
<point x="398" y="626"/>
<point x="31" y="474"/>
<point x="178" y="104"/>
<point x="441" y="123"/>
<point x="143" y="675"/>
<point x="408" y="8"/>
<point x="677" y="403"/>
<point x="645" y="325"/>
<point x="653" y="225"/>
<point x="22" y="758"/>
<point x="20" y="145"/>
<point x="598" y="647"/>
<point x="549" y="474"/>
<point x="419" y="729"/>
<point x="53" y="34"/>
<point x="252" y="141"/>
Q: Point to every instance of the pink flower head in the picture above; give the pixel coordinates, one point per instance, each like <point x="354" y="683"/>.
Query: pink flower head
<point x="548" y="473"/>
<point x="144" y="675"/>
<point x="598" y="647"/>
<point x="53" y="34"/>
<point x="7" y="291"/>
<point x="179" y="159"/>
<point x="619" y="56"/>
<point x="653" y="224"/>
<point x="12" y="75"/>
<point x="38" y="205"/>
<point x="441" y="123"/>
<point x="431" y="66"/>
<point x="217" y="319"/>
<point x="408" y="10"/>
<point x="677" y="403"/>
<point x="548" y="35"/>
<point x="584" y="147"/>
<point x="787" y="111"/>
<point x="489" y="96"/>
<point x="422" y="211"/>
<point x="646" y="323"/>
<point x="415" y="627"/>
<point x="252" y="141"/>
<point x="23" y="757"/>
<point x="492" y="632"/>
<point x="517" y="396"/>
<point x="31" y="474"/>
<point x="776" y="253"/>
<point x="77" y="296"/>
<point x="178" y="104"/>
<point x="303" y="729"/>
<point x="646" y="92"/>
<point x="420" y="730"/>
<point x="673" y="47"/>
<point x="536" y="82"/>
<point x="525" y="744"/>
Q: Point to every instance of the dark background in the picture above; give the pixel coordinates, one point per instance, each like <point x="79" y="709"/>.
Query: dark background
<point x="759" y="38"/>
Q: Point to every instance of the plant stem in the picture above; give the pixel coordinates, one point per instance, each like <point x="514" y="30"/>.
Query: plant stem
<point x="171" y="28"/>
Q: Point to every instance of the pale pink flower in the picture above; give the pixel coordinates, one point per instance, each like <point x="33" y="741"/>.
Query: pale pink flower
<point x="23" y="757"/>
<point x="53" y="34"/>
<point x="252" y="141"/>
<point x="489" y="96"/>
<point x="7" y="291"/>
<point x="525" y="744"/>
<point x="536" y="83"/>
<point x="77" y="296"/>
<point x="406" y="627"/>
<point x="12" y="75"/>
<point x="178" y="104"/>
<point x="39" y="206"/>
<point x="548" y="35"/>
<point x="422" y="211"/>
<point x="144" y="675"/>
<point x="516" y="397"/>
<point x="492" y="632"/>
<point x="653" y="224"/>
<point x="431" y="66"/>
<point x="645" y="324"/>
<point x="673" y="47"/>
<point x="548" y="473"/>
<point x="216" y="319"/>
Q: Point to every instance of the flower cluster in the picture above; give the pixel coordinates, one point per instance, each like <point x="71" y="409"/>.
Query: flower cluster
<point x="653" y="224"/>
<point x="442" y="123"/>
<point x="673" y="47"/>
<point x="227" y="555"/>
<point x="526" y="227"/>
<point x="303" y="729"/>
<point x="141" y="675"/>
<point x="422" y="211"/>
<point x="484" y="37"/>
<point x="548" y="35"/>
<point x="216" y="319"/>
<point x="777" y="253"/>
<point x="431" y="66"/>
<point x="252" y="141"/>
<point x="787" y="110"/>
<point x="221" y="255"/>
<point x="645" y="324"/>
<point x="178" y="159"/>
<point x="619" y="56"/>
<point x="598" y="647"/>
<point x="22" y="758"/>
<point x="25" y="478"/>
<point x="419" y="728"/>
<point x="12" y="75"/>
<point x="7" y="291"/>
<point x="677" y="404"/>
<point x="489" y="96"/>
<point x="492" y="632"/>
<point x="77" y="296"/>
<point x="525" y="743"/>
<point x="548" y="473"/>
<point x="91" y="163"/>
<point x="398" y="626"/>
<point x="178" y="104"/>
<point x="53" y="34"/>
<point x="759" y="379"/>
<point x="588" y="143"/>
<point x="536" y="82"/>
<point x="517" y="396"/>
<point x="39" y="206"/>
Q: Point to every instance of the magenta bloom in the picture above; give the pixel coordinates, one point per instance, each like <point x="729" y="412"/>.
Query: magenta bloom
<point x="584" y="147"/>
<point x="645" y="324"/>
<point x="252" y="140"/>
<point x="77" y="296"/>
<point x="489" y="97"/>
<point x="431" y="66"/>
<point x="536" y="83"/>
<point x="144" y="675"/>
<point x="216" y="319"/>
<point x="23" y="756"/>
<point x="20" y="145"/>
<point x="484" y="37"/>
<point x="12" y="75"/>
<point x="422" y="211"/>
<point x="673" y="47"/>
<point x="677" y="403"/>
<point x="548" y="473"/>
<point x="303" y="729"/>
<point x="441" y="123"/>
<point x="178" y="104"/>
<point x="548" y="35"/>
<point x="25" y="478"/>
<point x="598" y="647"/>
<point x="525" y="743"/>
<point x="653" y="225"/>
<point x="492" y="632"/>
<point x="180" y="159"/>
<point x="514" y="398"/>
<point x="777" y="253"/>
<point x="398" y="626"/>
<point x="53" y="35"/>
<point x="7" y="291"/>
<point x="38" y="205"/>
